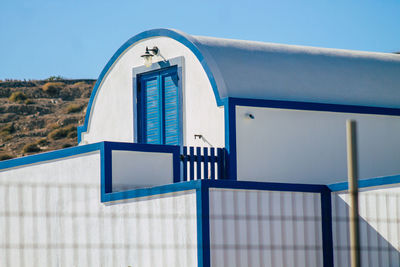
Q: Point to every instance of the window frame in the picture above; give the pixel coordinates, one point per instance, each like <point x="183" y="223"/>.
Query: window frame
<point x="137" y="73"/>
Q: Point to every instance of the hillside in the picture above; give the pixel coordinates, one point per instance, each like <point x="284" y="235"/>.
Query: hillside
<point x="39" y="116"/>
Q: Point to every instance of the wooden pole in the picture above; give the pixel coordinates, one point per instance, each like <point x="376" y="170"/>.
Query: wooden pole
<point x="352" y="173"/>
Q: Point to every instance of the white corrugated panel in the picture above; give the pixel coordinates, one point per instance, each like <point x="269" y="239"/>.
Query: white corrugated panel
<point x="51" y="215"/>
<point x="265" y="228"/>
<point x="379" y="210"/>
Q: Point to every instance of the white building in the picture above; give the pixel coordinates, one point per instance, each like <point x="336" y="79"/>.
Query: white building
<point x="132" y="193"/>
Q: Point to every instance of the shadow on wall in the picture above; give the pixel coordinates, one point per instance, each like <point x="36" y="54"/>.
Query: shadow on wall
<point x="379" y="228"/>
<point x="64" y="224"/>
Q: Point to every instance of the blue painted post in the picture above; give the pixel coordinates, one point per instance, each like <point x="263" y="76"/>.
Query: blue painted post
<point x="212" y="162"/>
<point x="205" y="154"/>
<point x="327" y="238"/>
<point x="191" y="158"/>
<point x="184" y="163"/>
<point x="223" y="163"/>
<point x="198" y="154"/>
<point x="220" y="163"/>
<point x="107" y="152"/>
<point x="203" y="226"/>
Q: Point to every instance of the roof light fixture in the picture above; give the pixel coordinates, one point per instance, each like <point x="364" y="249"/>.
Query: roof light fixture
<point x="149" y="54"/>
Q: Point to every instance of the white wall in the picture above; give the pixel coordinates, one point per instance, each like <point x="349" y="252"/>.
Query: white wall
<point x="310" y="146"/>
<point x="112" y="112"/>
<point x="155" y="231"/>
<point x="379" y="210"/>
<point x="80" y="169"/>
<point x="133" y="169"/>
<point x="51" y="215"/>
<point x="265" y="228"/>
<point x="35" y="203"/>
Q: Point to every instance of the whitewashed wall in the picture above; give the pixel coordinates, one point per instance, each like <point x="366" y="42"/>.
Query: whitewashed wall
<point x="51" y="215"/>
<point x="310" y="146"/>
<point x="134" y="169"/>
<point x="112" y="112"/>
<point x="79" y="169"/>
<point x="265" y="228"/>
<point x="379" y="227"/>
<point x="155" y="231"/>
<point x="34" y="201"/>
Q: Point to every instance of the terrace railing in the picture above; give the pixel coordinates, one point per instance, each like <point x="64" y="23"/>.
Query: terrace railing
<point x="203" y="163"/>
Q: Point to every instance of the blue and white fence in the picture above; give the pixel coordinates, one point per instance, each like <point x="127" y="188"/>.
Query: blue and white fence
<point x="203" y="163"/>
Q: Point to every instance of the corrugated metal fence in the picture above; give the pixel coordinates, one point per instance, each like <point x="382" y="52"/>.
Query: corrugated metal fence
<point x="66" y="225"/>
<point x="379" y="210"/>
<point x="265" y="228"/>
<point x="56" y="224"/>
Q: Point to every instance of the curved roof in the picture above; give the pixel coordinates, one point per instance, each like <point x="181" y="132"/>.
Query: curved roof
<point x="257" y="70"/>
<point x="247" y="69"/>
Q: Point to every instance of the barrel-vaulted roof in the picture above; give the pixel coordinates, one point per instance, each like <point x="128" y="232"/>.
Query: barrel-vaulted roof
<point x="248" y="69"/>
<point x="268" y="71"/>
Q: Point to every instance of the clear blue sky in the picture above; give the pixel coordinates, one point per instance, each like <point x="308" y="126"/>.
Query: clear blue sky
<point x="75" y="39"/>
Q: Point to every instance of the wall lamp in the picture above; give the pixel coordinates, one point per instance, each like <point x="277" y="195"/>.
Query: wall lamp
<point x="149" y="54"/>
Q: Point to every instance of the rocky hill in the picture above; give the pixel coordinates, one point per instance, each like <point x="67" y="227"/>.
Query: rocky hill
<point x="39" y="116"/>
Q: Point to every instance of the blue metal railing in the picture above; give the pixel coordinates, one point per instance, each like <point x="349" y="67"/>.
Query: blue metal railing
<point x="202" y="163"/>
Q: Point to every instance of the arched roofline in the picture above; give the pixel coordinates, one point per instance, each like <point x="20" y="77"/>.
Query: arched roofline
<point x="179" y="36"/>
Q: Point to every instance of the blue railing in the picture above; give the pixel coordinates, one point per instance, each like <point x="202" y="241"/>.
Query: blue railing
<point x="202" y="163"/>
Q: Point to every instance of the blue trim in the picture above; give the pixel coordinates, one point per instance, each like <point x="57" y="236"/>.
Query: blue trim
<point x="80" y="130"/>
<point x="230" y="139"/>
<point x="203" y="225"/>
<point x="144" y="35"/>
<point x="284" y="187"/>
<point x="106" y="167"/>
<point x="136" y="107"/>
<point x="377" y="181"/>
<point x="227" y="184"/>
<point x="315" y="106"/>
<point x="180" y="106"/>
<point x="47" y="156"/>
<point x="103" y="186"/>
<point x="327" y="236"/>
<point x="196" y="184"/>
<point x="142" y="147"/>
<point x="176" y="167"/>
<point x="152" y="191"/>
<point x="199" y="228"/>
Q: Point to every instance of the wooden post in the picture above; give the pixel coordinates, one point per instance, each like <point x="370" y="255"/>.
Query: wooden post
<point x="352" y="173"/>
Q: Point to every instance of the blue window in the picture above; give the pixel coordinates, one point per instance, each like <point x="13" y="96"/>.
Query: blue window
<point x="159" y="107"/>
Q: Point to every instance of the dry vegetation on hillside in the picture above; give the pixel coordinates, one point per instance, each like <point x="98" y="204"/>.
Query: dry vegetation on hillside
<point x="39" y="116"/>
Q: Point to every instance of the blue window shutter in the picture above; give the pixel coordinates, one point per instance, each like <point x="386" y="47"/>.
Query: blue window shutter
<point x="159" y="107"/>
<point x="171" y="108"/>
<point x="152" y="110"/>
